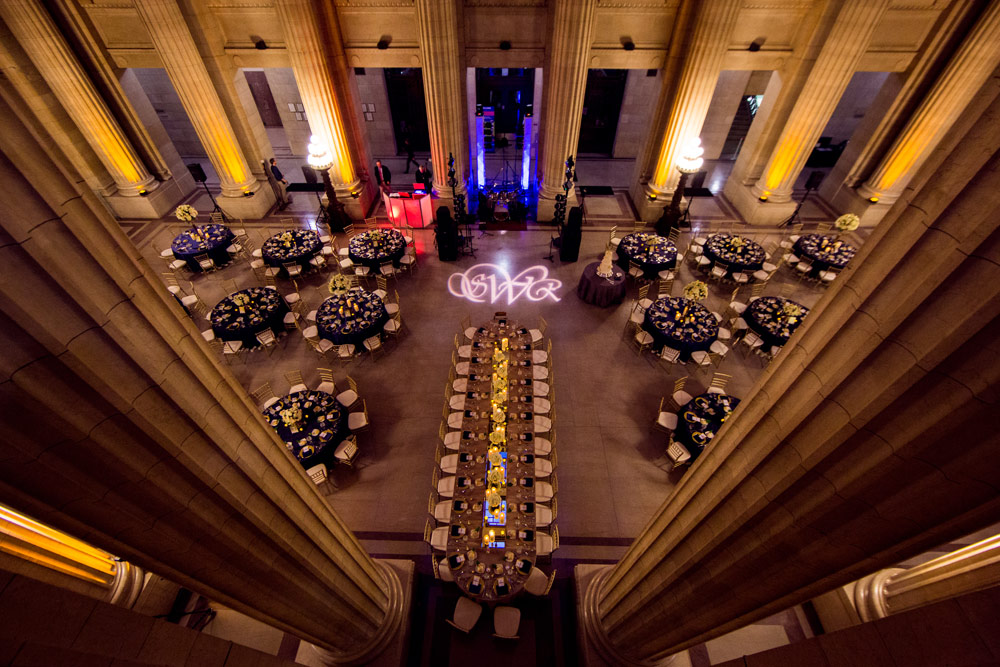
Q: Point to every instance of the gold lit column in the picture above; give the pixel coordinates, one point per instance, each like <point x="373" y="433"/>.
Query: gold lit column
<point x="844" y="45"/>
<point x="565" y="83"/>
<point x="444" y="91"/>
<point x="976" y="59"/>
<point x="38" y="551"/>
<point x="41" y="40"/>
<point x="181" y="59"/>
<point x="896" y="590"/>
<point x="841" y="459"/>
<point x="316" y="86"/>
<point x="121" y="426"/>
<point x="702" y="64"/>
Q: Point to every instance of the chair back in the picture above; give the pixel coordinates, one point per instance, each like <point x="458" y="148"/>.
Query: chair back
<point x="326" y="375"/>
<point x="643" y="289"/>
<point x="719" y="381"/>
<point x="263" y="393"/>
<point x="294" y="378"/>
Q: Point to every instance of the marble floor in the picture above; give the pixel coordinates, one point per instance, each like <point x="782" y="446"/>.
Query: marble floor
<point x="612" y="470"/>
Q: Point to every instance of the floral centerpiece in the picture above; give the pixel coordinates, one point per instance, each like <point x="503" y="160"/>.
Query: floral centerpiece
<point x="286" y="238"/>
<point x="847" y="222"/>
<point x="696" y="290"/>
<point x="291" y="417"/>
<point x="791" y="311"/>
<point x="185" y="213"/>
<point x="339" y="284"/>
<point x="736" y="242"/>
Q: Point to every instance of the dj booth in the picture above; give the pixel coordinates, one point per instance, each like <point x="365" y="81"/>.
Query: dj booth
<point x="413" y="209"/>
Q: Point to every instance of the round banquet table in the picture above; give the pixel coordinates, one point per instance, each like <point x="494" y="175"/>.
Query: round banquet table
<point x="651" y="252"/>
<point x="766" y="317"/>
<point x="700" y="420"/>
<point x="294" y="245"/>
<point x="826" y="252"/>
<point x="264" y="309"/>
<point x="376" y="247"/>
<point x="494" y="573"/>
<point x="322" y="426"/>
<point x="210" y="239"/>
<point x="600" y="291"/>
<point x="697" y="331"/>
<point x="738" y="252"/>
<point x="351" y="317"/>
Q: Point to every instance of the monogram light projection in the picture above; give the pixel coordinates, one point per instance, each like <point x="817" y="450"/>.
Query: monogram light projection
<point x="489" y="283"/>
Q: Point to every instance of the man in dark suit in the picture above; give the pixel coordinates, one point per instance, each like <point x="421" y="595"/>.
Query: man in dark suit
<point x="422" y="177"/>
<point x="383" y="176"/>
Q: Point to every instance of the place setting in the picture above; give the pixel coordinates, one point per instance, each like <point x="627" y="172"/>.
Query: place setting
<point x="653" y="253"/>
<point x="293" y="246"/>
<point x="375" y="247"/>
<point x="244" y="314"/>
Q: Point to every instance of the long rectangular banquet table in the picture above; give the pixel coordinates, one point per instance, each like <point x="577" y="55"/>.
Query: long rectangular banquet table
<point x="492" y="552"/>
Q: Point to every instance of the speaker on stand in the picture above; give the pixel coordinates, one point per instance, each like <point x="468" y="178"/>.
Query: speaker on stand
<point x="198" y="174"/>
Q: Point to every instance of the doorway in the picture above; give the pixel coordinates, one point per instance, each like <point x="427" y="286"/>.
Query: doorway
<point x="602" y="105"/>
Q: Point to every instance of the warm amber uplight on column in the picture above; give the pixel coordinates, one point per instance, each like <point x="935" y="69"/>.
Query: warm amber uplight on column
<point x="35" y="542"/>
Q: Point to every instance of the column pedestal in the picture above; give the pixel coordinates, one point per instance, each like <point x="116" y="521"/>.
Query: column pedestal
<point x="755" y="211"/>
<point x="649" y="210"/>
<point x="389" y="648"/>
<point x="156" y="204"/>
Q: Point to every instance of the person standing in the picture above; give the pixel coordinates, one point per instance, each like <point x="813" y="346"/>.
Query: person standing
<point x="409" y="154"/>
<point x="423" y="176"/>
<point x="383" y="177"/>
<point x="282" y="184"/>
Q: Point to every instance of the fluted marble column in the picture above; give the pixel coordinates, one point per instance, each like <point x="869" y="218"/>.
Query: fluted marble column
<point x="702" y="64"/>
<point x="179" y="53"/>
<point x="444" y="91"/>
<point x="768" y="200"/>
<point x="38" y="35"/>
<point x="50" y="555"/>
<point x="567" y="61"/>
<point x="316" y="86"/>
<point x="841" y="459"/>
<point x="895" y="590"/>
<point x="121" y="427"/>
<point x="975" y="61"/>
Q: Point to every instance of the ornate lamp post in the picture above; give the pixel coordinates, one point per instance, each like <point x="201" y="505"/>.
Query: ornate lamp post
<point x="321" y="160"/>
<point x="690" y="162"/>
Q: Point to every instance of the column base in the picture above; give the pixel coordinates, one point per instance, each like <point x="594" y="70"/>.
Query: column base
<point x="248" y="208"/>
<point x="594" y="647"/>
<point x="389" y="646"/>
<point x="649" y="210"/>
<point x="869" y="595"/>
<point x="753" y="210"/>
<point x="849" y="200"/>
<point x="159" y="202"/>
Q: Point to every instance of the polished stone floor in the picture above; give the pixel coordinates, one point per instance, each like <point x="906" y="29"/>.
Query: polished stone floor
<point x="611" y="468"/>
<point x="612" y="471"/>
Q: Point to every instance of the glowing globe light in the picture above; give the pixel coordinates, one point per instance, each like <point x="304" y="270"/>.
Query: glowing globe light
<point x="691" y="160"/>
<point x="319" y="155"/>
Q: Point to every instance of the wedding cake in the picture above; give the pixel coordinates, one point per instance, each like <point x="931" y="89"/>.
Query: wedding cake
<point x="605" y="269"/>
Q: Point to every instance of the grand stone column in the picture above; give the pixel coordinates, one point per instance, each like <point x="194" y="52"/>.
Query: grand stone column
<point x="702" y="63"/>
<point x="242" y="195"/>
<point x="38" y="551"/>
<point x="975" y="61"/>
<point x="895" y="590"/>
<point x="769" y="199"/>
<point x="841" y="459"/>
<point x="315" y="82"/>
<point x="567" y="58"/>
<point x="444" y="91"/>
<point x="120" y="426"/>
<point x="48" y="50"/>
